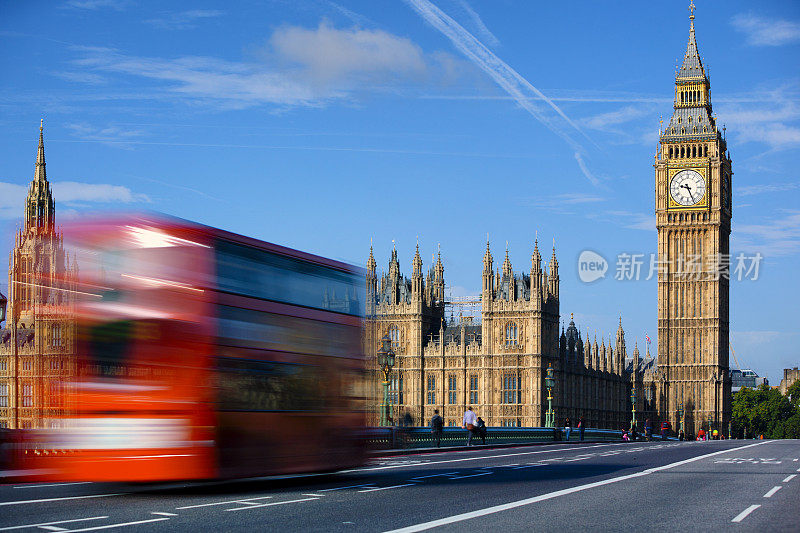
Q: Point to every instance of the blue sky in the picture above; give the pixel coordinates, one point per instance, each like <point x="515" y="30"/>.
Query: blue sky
<point x="322" y="125"/>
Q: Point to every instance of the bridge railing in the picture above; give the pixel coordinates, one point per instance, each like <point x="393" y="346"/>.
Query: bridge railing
<point x="388" y="438"/>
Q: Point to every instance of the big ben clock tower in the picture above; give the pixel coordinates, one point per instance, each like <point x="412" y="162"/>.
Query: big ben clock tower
<point x="693" y="218"/>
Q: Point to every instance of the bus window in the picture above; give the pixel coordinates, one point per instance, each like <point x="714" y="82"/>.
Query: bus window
<point x="248" y="385"/>
<point x="260" y="274"/>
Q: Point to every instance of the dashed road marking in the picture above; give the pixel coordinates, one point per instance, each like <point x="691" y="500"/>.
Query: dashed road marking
<point x="241" y="500"/>
<point x="53" y="528"/>
<point x="271" y="504"/>
<point x="122" y="524"/>
<point x="45" y="500"/>
<point x="348" y="487"/>
<point x="315" y="495"/>
<point x="39" y="485"/>
<point x="163" y="514"/>
<point x="741" y="516"/>
<point x="772" y="491"/>
<point x="387" y="488"/>
<point x="787" y="479"/>
<point x="53" y="523"/>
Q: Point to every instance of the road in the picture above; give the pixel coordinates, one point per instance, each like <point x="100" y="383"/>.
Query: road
<point x="753" y="485"/>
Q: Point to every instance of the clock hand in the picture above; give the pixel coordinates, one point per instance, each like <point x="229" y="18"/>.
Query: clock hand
<point x="688" y="188"/>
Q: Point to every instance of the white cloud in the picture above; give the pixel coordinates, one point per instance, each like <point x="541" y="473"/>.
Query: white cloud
<point x="506" y="77"/>
<point x="343" y="56"/>
<point x="300" y="66"/>
<point x="112" y="135"/>
<point x="586" y="172"/>
<point x="774" y="123"/>
<point x="118" y="5"/>
<point x="183" y="20"/>
<point x="12" y="196"/>
<point x="761" y="31"/>
<point x="774" y="237"/>
<point x="478" y="24"/>
<point x="604" y="121"/>
<point x="72" y="191"/>
<point x="749" y="190"/>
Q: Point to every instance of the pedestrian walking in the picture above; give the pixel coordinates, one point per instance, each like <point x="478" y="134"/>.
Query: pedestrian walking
<point x="581" y="427"/>
<point x="470" y="423"/>
<point x="648" y="430"/>
<point x="567" y="427"/>
<point x="437" y="424"/>
<point x="482" y="430"/>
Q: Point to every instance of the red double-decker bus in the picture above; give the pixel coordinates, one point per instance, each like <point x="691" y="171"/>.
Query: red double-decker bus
<point x="204" y="354"/>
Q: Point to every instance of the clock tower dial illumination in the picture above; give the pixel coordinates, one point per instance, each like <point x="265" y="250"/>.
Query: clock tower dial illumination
<point x="687" y="187"/>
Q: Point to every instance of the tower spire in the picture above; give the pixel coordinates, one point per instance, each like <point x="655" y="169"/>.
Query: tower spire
<point x="40" y="174"/>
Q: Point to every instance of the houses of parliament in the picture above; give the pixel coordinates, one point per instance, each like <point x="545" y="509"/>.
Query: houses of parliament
<point x="495" y="360"/>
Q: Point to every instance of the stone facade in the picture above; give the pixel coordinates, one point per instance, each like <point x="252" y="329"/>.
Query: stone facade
<point x="496" y="364"/>
<point x="37" y="344"/>
<point x="790" y="375"/>
<point x="693" y="252"/>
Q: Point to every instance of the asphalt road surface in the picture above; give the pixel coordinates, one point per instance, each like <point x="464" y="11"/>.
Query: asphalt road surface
<point x="750" y="485"/>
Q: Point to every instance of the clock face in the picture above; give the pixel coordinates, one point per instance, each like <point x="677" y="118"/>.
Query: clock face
<point x="687" y="187"/>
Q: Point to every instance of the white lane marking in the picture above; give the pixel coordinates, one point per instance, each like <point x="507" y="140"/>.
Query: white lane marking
<point x="512" y="505"/>
<point x="475" y="458"/>
<point x="772" y="491"/>
<point x="787" y="479"/>
<point x="163" y="514"/>
<point x="387" y="488"/>
<point x="795" y="460"/>
<point x="271" y="504"/>
<point x="798" y="469"/>
<point x="527" y="466"/>
<point x="434" y="475"/>
<point x="741" y="516"/>
<point x="109" y="526"/>
<point x="52" y="523"/>
<point x="53" y="528"/>
<point x="23" y="502"/>
<point x="39" y="486"/>
<point x="223" y="503"/>
<point x="317" y="495"/>
<point x="472" y="475"/>
<point x="348" y="487"/>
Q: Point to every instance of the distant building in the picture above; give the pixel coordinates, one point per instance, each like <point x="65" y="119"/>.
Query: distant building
<point x="790" y="375"/>
<point x="37" y="344"/>
<point x="746" y="378"/>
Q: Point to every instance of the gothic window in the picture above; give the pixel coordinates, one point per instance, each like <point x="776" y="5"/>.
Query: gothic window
<point x="396" y="390"/>
<point x="473" y="389"/>
<point x="26" y="365"/>
<point x="683" y="131"/>
<point x="27" y="395"/>
<point x="705" y="149"/>
<point x="56" y="338"/>
<point x="679" y="120"/>
<point x="3" y="365"/>
<point x="4" y="395"/>
<point x="510" y="392"/>
<point x="695" y="129"/>
<point x="511" y="334"/>
<point x="670" y="151"/>
<point x="690" y="120"/>
<point x="431" y="390"/>
<point x="508" y="423"/>
<point x="451" y="390"/>
<point x="394" y="334"/>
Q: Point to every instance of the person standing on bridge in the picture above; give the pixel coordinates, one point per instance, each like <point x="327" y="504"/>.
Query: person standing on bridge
<point x="437" y="424"/>
<point x="567" y="427"/>
<point x="581" y="427"/>
<point x="470" y="423"/>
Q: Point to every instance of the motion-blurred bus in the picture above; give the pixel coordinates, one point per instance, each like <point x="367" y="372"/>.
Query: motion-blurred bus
<point x="204" y="354"/>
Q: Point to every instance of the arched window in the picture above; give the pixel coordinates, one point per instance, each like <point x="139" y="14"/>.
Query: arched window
<point x="394" y="335"/>
<point x="705" y="150"/>
<point x="55" y="340"/>
<point x="511" y="334"/>
<point x="670" y="151"/>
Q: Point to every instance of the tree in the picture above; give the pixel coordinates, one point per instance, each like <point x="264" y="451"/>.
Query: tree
<point x="765" y="411"/>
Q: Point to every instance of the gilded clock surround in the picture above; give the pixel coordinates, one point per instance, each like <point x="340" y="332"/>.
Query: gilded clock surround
<point x="672" y="172"/>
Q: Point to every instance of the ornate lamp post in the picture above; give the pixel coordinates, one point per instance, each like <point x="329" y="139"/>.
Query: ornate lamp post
<point x="386" y="362"/>
<point x="550" y="382"/>
<point x="680" y="417"/>
<point x="633" y="407"/>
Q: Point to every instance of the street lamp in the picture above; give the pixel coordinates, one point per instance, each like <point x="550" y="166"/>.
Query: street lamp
<point x="633" y="407"/>
<point x="386" y="362"/>
<point x="680" y="417"/>
<point x="550" y="382"/>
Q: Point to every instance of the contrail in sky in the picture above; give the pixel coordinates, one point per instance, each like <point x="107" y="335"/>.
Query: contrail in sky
<point x="505" y="76"/>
